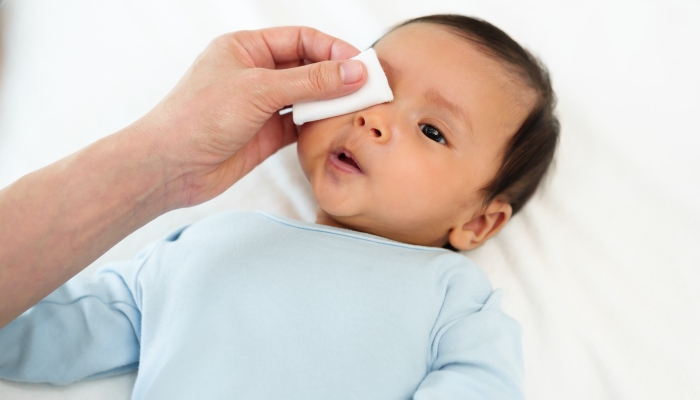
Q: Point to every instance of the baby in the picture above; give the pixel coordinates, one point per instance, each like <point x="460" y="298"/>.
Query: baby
<point x="369" y="302"/>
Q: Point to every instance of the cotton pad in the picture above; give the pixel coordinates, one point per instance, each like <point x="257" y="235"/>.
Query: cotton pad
<point x="375" y="91"/>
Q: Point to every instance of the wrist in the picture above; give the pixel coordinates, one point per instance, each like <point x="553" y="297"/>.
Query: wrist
<point x="146" y="171"/>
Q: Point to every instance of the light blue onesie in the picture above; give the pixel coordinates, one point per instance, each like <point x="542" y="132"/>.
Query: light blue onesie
<point x="252" y="306"/>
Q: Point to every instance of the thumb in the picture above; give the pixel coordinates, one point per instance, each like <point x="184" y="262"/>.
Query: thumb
<point x="318" y="81"/>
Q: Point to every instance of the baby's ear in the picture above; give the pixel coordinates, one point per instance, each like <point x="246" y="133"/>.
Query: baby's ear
<point x="482" y="226"/>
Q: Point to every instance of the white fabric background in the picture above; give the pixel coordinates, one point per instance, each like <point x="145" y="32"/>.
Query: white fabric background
<point x="601" y="268"/>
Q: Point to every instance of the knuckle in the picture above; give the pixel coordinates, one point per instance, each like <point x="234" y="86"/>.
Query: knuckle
<point x="257" y="84"/>
<point x="318" y="78"/>
<point x="223" y="41"/>
<point x="229" y="37"/>
<point x="253" y="80"/>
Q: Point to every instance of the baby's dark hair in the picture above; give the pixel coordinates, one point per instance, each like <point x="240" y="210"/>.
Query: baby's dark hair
<point x="529" y="153"/>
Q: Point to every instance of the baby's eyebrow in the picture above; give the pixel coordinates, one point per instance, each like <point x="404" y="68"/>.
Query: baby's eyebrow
<point x="458" y="112"/>
<point x="389" y="71"/>
<point x="433" y="96"/>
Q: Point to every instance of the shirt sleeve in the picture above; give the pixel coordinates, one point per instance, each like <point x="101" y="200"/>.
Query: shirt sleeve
<point x="90" y="327"/>
<point x="476" y="355"/>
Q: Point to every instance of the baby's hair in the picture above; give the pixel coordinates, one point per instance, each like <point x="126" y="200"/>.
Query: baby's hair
<point x="529" y="153"/>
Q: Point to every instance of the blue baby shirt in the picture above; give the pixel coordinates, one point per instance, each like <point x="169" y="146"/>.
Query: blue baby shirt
<point x="253" y="306"/>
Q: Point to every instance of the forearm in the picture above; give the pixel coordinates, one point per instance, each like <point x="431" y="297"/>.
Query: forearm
<point x="56" y="221"/>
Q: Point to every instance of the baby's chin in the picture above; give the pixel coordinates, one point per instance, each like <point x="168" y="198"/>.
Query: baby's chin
<point x="331" y="218"/>
<point x="342" y="211"/>
<point x="345" y="210"/>
<point x="367" y="224"/>
<point x="337" y="209"/>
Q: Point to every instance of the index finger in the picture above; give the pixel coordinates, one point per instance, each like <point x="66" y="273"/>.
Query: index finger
<point x="274" y="46"/>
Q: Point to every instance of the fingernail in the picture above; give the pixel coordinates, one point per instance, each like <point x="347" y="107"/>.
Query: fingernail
<point x="351" y="71"/>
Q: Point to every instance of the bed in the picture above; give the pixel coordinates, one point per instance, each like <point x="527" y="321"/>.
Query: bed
<point x="601" y="267"/>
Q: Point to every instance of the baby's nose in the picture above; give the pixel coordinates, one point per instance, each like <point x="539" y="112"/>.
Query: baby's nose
<point x="360" y="121"/>
<point x="373" y="125"/>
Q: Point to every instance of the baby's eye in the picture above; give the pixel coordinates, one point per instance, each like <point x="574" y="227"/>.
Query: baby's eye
<point x="432" y="133"/>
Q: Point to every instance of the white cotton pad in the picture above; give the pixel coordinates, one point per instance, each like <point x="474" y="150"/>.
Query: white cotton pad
<point x="375" y="91"/>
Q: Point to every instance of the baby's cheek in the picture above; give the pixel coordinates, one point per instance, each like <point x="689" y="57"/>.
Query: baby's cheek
<point x="405" y="184"/>
<point x="311" y="133"/>
<point x="425" y="185"/>
<point x="305" y="151"/>
<point x="313" y="145"/>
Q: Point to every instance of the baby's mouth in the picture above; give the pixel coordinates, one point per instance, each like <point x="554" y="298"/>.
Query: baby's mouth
<point x="346" y="159"/>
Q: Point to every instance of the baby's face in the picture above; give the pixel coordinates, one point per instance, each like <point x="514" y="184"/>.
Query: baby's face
<point x="412" y="169"/>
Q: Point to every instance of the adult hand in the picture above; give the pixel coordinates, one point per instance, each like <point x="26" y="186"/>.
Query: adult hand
<point x="221" y="120"/>
<point x="217" y="124"/>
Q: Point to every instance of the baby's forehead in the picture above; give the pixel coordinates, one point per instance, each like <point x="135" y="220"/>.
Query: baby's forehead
<point x="486" y="68"/>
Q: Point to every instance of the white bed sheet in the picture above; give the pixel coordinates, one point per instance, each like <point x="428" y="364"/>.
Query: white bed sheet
<point x="601" y="268"/>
